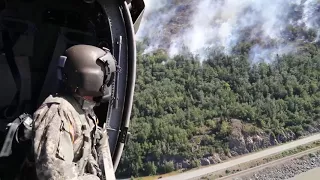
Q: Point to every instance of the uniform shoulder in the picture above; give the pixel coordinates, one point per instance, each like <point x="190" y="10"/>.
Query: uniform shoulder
<point x="53" y="99"/>
<point x="62" y="102"/>
<point x="57" y="100"/>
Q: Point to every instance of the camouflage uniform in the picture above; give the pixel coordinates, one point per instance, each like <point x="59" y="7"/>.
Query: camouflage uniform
<point x="65" y="141"/>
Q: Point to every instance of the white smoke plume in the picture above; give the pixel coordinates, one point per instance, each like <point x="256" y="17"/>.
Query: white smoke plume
<point x="156" y="16"/>
<point x="274" y="27"/>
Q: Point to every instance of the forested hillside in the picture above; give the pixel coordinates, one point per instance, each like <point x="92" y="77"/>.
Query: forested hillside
<point x="186" y="110"/>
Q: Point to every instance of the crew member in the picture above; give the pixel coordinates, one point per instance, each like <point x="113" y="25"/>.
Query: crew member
<point x="67" y="142"/>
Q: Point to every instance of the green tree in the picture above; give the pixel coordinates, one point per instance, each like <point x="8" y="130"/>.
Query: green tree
<point x="150" y="168"/>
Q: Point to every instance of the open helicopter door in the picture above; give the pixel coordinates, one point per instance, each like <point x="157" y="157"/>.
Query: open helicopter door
<point x="59" y="24"/>
<point x="124" y="49"/>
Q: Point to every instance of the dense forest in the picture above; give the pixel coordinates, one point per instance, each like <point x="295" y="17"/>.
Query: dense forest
<point x="180" y="98"/>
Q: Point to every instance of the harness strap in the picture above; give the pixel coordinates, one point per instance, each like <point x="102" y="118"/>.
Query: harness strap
<point x="13" y="128"/>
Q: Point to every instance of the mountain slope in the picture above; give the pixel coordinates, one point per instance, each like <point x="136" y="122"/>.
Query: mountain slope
<point x="221" y="78"/>
<point x="186" y="113"/>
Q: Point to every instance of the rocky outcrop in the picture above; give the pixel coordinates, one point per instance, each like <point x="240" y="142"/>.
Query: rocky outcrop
<point x="245" y="138"/>
<point x="186" y="164"/>
<point x="214" y="159"/>
<point x="204" y="162"/>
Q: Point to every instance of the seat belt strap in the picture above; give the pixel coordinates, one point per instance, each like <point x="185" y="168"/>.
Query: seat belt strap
<point x="13" y="127"/>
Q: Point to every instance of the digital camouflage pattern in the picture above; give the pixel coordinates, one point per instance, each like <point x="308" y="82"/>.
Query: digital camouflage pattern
<point x="64" y="141"/>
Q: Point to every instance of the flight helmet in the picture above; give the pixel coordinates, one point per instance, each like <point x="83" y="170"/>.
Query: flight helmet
<point x="88" y="71"/>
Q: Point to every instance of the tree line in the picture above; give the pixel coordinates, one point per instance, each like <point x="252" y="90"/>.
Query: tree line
<point x="182" y="97"/>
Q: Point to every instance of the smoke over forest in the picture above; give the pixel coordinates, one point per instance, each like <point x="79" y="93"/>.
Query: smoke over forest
<point x="267" y="27"/>
<point x="256" y="84"/>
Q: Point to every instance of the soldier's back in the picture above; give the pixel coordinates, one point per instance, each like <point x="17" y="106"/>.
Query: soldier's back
<point x="61" y="142"/>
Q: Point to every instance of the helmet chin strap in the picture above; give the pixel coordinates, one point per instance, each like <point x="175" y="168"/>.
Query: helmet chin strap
<point x="86" y="105"/>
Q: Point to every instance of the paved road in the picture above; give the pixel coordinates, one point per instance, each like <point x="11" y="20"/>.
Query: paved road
<point x="244" y="159"/>
<point x="269" y="164"/>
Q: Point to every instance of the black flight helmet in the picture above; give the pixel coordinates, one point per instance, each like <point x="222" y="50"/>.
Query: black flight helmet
<point x="89" y="71"/>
